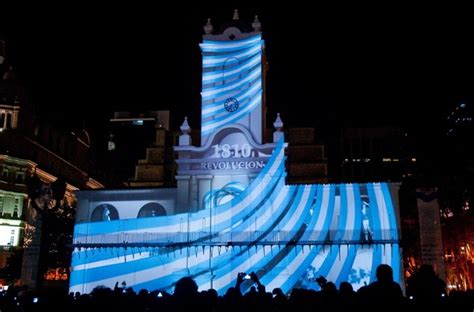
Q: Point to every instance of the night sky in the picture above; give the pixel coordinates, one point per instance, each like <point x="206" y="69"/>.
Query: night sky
<point x="370" y="67"/>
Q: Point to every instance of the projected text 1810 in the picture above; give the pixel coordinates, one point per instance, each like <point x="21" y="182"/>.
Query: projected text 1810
<point x="234" y="150"/>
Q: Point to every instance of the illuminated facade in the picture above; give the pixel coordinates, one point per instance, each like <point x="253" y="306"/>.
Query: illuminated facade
<point x="232" y="210"/>
<point x="27" y="148"/>
<point x="16" y="213"/>
<point x="13" y="200"/>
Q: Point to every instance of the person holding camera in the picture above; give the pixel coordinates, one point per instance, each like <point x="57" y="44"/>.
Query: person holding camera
<point x="242" y="277"/>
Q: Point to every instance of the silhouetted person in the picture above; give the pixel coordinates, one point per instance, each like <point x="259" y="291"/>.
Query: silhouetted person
<point x="346" y="293"/>
<point x="185" y="288"/>
<point x="425" y="286"/>
<point x="385" y="291"/>
<point x="256" y="280"/>
<point x="329" y="294"/>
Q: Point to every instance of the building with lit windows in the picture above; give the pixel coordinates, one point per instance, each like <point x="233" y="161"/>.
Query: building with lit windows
<point x="29" y="147"/>
<point x="456" y="204"/>
<point x="15" y="212"/>
<point x="368" y="154"/>
<point x="13" y="200"/>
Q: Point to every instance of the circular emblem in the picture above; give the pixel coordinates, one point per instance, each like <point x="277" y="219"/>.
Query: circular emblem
<point x="231" y="104"/>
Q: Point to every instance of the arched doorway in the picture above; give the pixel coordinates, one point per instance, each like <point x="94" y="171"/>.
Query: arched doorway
<point x="104" y="212"/>
<point x="151" y="210"/>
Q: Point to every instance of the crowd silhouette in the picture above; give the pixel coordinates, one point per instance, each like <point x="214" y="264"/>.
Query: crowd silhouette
<point x="423" y="288"/>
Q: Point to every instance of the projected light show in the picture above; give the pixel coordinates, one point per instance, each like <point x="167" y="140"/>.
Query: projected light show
<point x="232" y="210"/>
<point x="232" y="82"/>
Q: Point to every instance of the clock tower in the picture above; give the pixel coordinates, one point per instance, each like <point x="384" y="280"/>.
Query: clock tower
<point x="233" y="66"/>
<point x="232" y="151"/>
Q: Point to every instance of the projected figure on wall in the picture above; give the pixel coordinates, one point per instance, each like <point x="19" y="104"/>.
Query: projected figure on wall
<point x="106" y="214"/>
<point x="367" y="233"/>
<point x="309" y="279"/>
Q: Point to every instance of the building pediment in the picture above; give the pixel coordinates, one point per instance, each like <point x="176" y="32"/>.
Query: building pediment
<point x="231" y="150"/>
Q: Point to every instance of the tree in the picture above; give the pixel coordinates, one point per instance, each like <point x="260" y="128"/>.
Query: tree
<point x="12" y="269"/>
<point x="57" y="221"/>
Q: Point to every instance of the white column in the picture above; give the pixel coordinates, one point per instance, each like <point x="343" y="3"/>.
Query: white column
<point x="183" y="198"/>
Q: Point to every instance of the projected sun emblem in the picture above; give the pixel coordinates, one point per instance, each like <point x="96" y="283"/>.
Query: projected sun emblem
<point x="231" y="104"/>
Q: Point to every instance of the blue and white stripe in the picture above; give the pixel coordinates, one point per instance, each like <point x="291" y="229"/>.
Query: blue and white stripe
<point x="230" y="69"/>
<point x="267" y="210"/>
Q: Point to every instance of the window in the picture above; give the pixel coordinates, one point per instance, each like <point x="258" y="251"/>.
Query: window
<point x="2" y="120"/>
<point x="151" y="210"/>
<point x="229" y="72"/>
<point x="9" y="121"/>
<point x="20" y="177"/>
<point x="5" y="174"/>
<point x="16" y="207"/>
<point x="12" y="238"/>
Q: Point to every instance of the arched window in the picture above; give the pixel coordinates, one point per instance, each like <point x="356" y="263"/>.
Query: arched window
<point x="151" y="210"/>
<point x="104" y="212"/>
<point x="2" y="120"/>
<point x="230" y="65"/>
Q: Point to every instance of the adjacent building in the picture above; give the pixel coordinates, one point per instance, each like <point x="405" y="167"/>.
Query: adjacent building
<point x="374" y="154"/>
<point x="29" y="147"/>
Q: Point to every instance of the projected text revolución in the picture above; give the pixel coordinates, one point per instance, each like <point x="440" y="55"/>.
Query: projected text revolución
<point x="232" y="165"/>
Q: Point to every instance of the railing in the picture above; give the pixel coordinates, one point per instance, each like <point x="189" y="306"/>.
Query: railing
<point x="260" y="238"/>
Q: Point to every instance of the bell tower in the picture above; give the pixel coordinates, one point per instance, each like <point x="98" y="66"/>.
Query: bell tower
<point x="233" y="68"/>
<point x="232" y="152"/>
